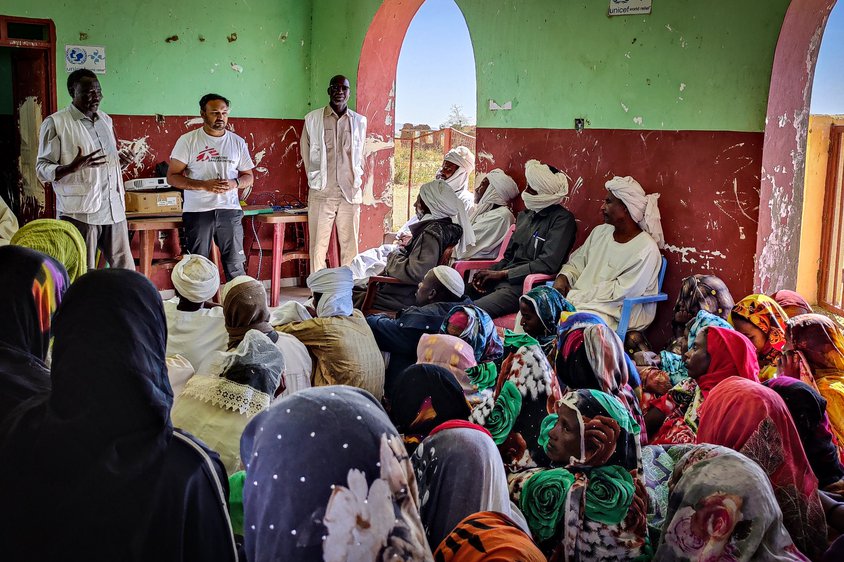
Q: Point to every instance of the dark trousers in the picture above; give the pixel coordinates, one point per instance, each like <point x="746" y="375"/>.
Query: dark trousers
<point x="111" y="239"/>
<point x="224" y="227"/>
<point x="501" y="300"/>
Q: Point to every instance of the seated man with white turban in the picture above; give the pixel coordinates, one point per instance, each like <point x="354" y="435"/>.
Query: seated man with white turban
<point x="544" y="235"/>
<point x="620" y="259"/>
<point x="441" y="290"/>
<point x="457" y="164"/>
<point x="443" y="223"/>
<point x="491" y="218"/>
<point x="192" y="330"/>
<point x="339" y="337"/>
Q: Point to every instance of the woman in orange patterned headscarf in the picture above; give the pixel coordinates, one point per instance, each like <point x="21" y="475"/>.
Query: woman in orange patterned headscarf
<point x="762" y="320"/>
<point x="815" y="349"/>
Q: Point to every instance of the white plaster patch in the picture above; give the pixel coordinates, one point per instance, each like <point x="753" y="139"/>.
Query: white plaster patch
<point x="638" y="120"/>
<point x="624" y="107"/>
<point x="486" y="156"/>
<point x="627" y="55"/>
<point x="139" y="147"/>
<point x="682" y="86"/>
<point x="782" y="120"/>
<point x="376" y="143"/>
<point x="192" y="122"/>
<point x="237" y="68"/>
<point x="683" y="43"/>
<point x="261" y="169"/>
<point x="29" y="121"/>
<point x="260" y="156"/>
<point x="288" y="149"/>
<point x="290" y="129"/>
<point x="503" y="107"/>
<point x="690" y="254"/>
<point x="669" y="28"/>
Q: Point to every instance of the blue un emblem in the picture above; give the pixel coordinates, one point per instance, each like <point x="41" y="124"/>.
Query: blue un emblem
<point x="76" y="55"/>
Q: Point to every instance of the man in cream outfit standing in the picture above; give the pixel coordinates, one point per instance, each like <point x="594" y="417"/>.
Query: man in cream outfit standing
<point x="78" y="154"/>
<point x="332" y="151"/>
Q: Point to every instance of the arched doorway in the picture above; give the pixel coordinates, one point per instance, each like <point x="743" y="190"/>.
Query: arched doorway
<point x="784" y="151"/>
<point x="376" y="94"/>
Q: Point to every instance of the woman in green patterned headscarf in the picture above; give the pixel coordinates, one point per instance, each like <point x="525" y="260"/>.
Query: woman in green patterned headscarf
<point x="594" y="506"/>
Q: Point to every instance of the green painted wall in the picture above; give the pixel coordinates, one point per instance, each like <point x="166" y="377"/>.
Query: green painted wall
<point x="338" y="30"/>
<point x="689" y="65"/>
<point x="146" y="75"/>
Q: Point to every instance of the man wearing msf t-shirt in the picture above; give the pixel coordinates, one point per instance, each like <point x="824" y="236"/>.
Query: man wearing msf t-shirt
<point x="211" y="164"/>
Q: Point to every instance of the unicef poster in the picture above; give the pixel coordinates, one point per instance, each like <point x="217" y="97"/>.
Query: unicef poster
<point x="92" y="57"/>
<point x="629" y="7"/>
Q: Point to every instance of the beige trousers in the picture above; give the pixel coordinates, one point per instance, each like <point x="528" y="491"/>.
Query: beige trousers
<point x="323" y="213"/>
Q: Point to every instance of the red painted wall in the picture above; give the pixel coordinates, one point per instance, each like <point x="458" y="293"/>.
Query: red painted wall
<point x="708" y="181"/>
<point x="279" y="172"/>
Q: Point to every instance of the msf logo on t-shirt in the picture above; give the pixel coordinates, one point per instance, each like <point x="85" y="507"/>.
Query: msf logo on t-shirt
<point x="210" y="155"/>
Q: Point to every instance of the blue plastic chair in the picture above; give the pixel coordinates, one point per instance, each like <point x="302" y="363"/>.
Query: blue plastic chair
<point x="627" y="307"/>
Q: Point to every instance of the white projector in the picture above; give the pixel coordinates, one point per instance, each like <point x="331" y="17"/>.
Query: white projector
<point x="146" y="184"/>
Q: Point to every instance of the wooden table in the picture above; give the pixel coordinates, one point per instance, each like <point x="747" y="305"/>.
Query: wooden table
<point x="147" y="229"/>
<point x="279" y="221"/>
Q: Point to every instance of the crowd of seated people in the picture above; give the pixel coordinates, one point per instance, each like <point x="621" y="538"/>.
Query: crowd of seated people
<point x="136" y="428"/>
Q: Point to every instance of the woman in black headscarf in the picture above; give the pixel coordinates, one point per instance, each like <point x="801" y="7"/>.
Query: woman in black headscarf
<point x="99" y="472"/>
<point x="427" y="396"/>
<point x="31" y="288"/>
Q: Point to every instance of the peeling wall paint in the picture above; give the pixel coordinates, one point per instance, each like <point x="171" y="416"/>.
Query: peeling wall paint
<point x="709" y="218"/>
<point x="783" y="162"/>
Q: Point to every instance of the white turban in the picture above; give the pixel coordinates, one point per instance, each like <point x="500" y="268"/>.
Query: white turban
<point x="442" y="202"/>
<point x="642" y="208"/>
<point x="335" y="285"/>
<point x="464" y="158"/>
<point x="550" y="188"/>
<point x="450" y="279"/>
<point x="196" y="278"/>
<point x="502" y="189"/>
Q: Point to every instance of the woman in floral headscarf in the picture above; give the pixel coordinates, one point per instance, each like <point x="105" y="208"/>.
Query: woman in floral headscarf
<point x="700" y="292"/>
<point x="327" y="478"/>
<point x="722" y="507"/>
<point x="715" y="355"/>
<point x="753" y="420"/>
<point x="594" y="507"/>
<point x="540" y="309"/>
<point x="474" y="326"/>
<point x="816" y="356"/>
<point x="524" y="394"/>
<point x="762" y="321"/>
<point x="590" y="355"/>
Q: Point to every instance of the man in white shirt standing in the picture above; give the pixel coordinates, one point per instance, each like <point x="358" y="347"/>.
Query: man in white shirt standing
<point x="212" y="164"/>
<point x="332" y="151"/>
<point x="620" y="259"/>
<point x="77" y="153"/>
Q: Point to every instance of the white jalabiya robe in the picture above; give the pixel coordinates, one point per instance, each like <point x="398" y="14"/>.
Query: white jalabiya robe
<point x="489" y="228"/>
<point x="602" y="273"/>
<point x="194" y="334"/>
